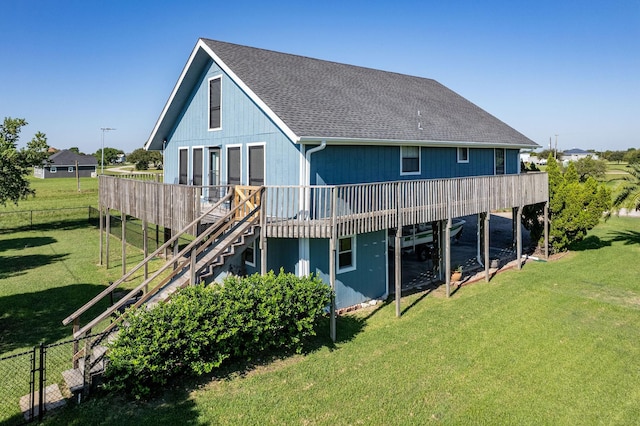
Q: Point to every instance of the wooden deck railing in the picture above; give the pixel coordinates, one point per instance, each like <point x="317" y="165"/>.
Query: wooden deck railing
<point x="316" y="211"/>
<point x="313" y="212"/>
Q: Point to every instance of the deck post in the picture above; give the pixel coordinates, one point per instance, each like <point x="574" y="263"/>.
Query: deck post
<point x="100" y="210"/>
<point x="123" y="217"/>
<point x="546" y="230"/>
<point x="486" y="217"/>
<point x="145" y="249"/>
<point x="441" y="250"/>
<point x="192" y="266"/>
<point x="263" y="234"/>
<point x="108" y="236"/>
<point x="332" y="264"/>
<point x="447" y="256"/>
<point x="398" y="251"/>
<point x="176" y="250"/>
<point x="519" y="235"/>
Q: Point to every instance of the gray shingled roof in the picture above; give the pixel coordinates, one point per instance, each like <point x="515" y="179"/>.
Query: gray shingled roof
<point x="323" y="99"/>
<point x="68" y="158"/>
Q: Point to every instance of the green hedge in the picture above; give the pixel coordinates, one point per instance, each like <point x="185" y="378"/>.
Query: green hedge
<point x="202" y="326"/>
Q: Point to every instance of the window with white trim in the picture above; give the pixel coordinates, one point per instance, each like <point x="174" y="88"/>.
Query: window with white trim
<point x="250" y="254"/>
<point x="499" y="160"/>
<point x="70" y="169"/>
<point x="409" y="160"/>
<point x="346" y="254"/>
<point x="463" y="154"/>
<point x="54" y="169"/>
<point x="215" y="103"/>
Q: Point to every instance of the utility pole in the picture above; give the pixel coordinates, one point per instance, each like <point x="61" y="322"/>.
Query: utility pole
<point x="104" y="129"/>
<point x="556" y="150"/>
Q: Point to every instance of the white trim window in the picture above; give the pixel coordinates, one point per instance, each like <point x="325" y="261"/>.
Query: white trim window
<point x="346" y="254"/>
<point x="410" y="159"/>
<point x="197" y="165"/>
<point x="215" y="103"/>
<point x="70" y="169"/>
<point x="500" y="158"/>
<point x="183" y="166"/>
<point x="256" y="163"/>
<point x="463" y="154"/>
<point x="250" y="254"/>
<point x="233" y="164"/>
<point x="54" y="169"/>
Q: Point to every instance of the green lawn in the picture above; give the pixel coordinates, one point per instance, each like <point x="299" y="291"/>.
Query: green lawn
<point x="48" y="270"/>
<point x="555" y="343"/>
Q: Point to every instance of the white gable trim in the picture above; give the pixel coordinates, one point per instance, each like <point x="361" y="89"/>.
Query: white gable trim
<point x="202" y="45"/>
<point x="171" y="97"/>
<point x="287" y="131"/>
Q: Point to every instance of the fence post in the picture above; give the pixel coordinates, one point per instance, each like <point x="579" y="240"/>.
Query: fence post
<point x="32" y="385"/>
<point x="41" y="383"/>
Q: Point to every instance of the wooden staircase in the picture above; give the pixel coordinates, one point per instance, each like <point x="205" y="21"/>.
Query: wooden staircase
<point x="199" y="260"/>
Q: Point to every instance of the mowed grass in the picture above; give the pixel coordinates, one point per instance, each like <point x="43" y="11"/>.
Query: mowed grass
<point x="555" y="343"/>
<point x="50" y="269"/>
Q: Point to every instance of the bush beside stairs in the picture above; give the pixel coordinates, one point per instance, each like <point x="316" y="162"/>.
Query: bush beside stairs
<point x="201" y="260"/>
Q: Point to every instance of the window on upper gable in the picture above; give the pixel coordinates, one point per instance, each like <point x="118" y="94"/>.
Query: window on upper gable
<point x="409" y="160"/>
<point x="215" y="103"/>
<point x="463" y="155"/>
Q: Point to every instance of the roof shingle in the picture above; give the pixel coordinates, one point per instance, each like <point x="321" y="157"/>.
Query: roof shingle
<point x="324" y="99"/>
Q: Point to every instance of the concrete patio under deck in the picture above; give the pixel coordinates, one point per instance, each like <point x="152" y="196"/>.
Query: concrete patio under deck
<point x="418" y="275"/>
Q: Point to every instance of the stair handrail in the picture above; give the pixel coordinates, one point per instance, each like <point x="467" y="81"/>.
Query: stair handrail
<point x="253" y="215"/>
<point x="146" y="260"/>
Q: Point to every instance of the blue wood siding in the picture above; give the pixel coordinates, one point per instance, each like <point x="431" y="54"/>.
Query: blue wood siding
<point x="368" y="281"/>
<point x="512" y="161"/>
<point x="242" y="123"/>
<point x="337" y="165"/>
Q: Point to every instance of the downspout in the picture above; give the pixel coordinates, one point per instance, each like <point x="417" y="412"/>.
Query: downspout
<point x="307" y="163"/>
<point x="164" y="164"/>
<point x="303" y="244"/>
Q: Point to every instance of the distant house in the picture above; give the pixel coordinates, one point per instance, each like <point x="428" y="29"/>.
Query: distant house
<point x="63" y="164"/>
<point x="575" y="154"/>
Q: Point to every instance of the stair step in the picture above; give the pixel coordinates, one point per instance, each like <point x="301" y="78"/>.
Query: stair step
<point x="74" y="379"/>
<point x="52" y="399"/>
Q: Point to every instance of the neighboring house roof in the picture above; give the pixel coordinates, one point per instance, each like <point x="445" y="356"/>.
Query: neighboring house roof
<point x="69" y="158"/>
<point x="312" y="99"/>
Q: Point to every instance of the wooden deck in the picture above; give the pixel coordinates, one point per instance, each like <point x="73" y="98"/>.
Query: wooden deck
<point x="319" y="211"/>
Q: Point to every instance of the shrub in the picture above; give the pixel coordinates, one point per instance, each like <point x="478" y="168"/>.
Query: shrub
<point x="574" y="207"/>
<point x="203" y="326"/>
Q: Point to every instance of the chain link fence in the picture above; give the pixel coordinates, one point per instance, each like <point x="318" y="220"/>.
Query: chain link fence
<point x="47" y="377"/>
<point x="135" y="233"/>
<point x="49" y="218"/>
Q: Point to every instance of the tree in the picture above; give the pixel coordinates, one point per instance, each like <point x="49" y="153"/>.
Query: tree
<point x="574" y="207"/>
<point x="15" y="163"/>
<point x="587" y="166"/>
<point x="628" y="193"/>
<point x="546" y="153"/>
<point x="632" y="156"/>
<point x="110" y="155"/>
<point x="141" y="157"/>
<point x="76" y="150"/>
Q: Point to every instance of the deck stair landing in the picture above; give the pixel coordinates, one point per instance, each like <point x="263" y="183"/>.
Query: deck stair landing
<point x="213" y="247"/>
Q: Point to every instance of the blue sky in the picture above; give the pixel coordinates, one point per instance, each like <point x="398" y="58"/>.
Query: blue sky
<point x="566" y="68"/>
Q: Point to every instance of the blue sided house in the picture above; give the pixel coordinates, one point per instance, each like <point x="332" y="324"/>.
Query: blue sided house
<point x="327" y="159"/>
